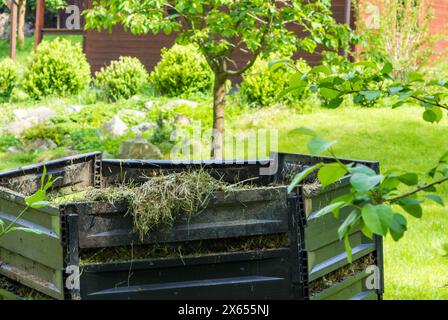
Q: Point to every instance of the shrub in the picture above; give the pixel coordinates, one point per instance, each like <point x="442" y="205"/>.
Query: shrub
<point x="8" y="140"/>
<point x="261" y="86"/>
<point x="182" y="70"/>
<point x="8" y="77"/>
<point x="57" y="68"/>
<point x="122" y="79"/>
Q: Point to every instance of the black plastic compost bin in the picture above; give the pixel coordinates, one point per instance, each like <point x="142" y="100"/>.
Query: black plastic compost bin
<point x="311" y="253"/>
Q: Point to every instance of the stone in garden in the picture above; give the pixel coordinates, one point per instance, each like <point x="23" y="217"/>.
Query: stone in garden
<point x="133" y="113"/>
<point x="41" y="144"/>
<point x="149" y="104"/>
<point x="14" y="149"/>
<point x="27" y="118"/>
<point x="74" y="109"/>
<point x="181" y="102"/>
<point x="139" y="149"/>
<point x="115" y="127"/>
<point x="142" y="127"/>
<point x="183" y="120"/>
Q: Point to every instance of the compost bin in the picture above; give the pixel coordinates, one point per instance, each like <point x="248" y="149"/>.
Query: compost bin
<point x="251" y="241"/>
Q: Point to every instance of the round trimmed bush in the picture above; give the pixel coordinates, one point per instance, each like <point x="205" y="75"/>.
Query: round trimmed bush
<point x="57" y="68"/>
<point x="182" y="70"/>
<point x="8" y="77"/>
<point x="122" y="79"/>
<point x="262" y="86"/>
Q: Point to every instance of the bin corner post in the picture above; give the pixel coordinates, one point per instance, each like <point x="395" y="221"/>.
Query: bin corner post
<point x="294" y="244"/>
<point x="300" y="217"/>
<point x="70" y="240"/>
<point x="380" y="264"/>
<point x="97" y="170"/>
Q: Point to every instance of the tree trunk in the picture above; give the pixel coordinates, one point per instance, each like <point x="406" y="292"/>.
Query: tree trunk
<point x="21" y="24"/>
<point x="13" y="31"/>
<point x="219" y="105"/>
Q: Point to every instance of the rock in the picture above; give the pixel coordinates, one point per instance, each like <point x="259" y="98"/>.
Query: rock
<point x="74" y="109"/>
<point x="181" y="102"/>
<point x="139" y="149"/>
<point x="41" y="145"/>
<point x="27" y="118"/>
<point x="149" y="104"/>
<point x="133" y="113"/>
<point x="142" y="127"/>
<point x="183" y="120"/>
<point x="115" y="127"/>
<point x="14" y="149"/>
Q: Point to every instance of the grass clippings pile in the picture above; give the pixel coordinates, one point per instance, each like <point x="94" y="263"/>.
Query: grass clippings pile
<point x="164" y="199"/>
<point x="319" y="285"/>
<point x="186" y="249"/>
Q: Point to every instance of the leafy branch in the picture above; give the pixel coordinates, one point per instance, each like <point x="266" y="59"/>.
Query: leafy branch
<point x="370" y="204"/>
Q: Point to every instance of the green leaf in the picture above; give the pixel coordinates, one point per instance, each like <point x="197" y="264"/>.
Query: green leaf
<point x="412" y="206"/>
<point x="305" y="131"/>
<point x="329" y="93"/>
<point x="39" y="196"/>
<point x="409" y="179"/>
<point x="366" y="231"/>
<point x="330" y="208"/>
<point x="433" y="114"/>
<point x="321" y="69"/>
<point x="348" y="248"/>
<point x="39" y="204"/>
<point x="330" y="173"/>
<point x="348" y="224"/>
<point x="302" y="175"/>
<point x="437" y="199"/>
<point x="334" y="103"/>
<point x="414" y="76"/>
<point x="377" y="218"/>
<point x="360" y="168"/>
<point x="317" y="145"/>
<point x="398" y="226"/>
<point x="371" y="94"/>
<point x="279" y="63"/>
<point x="387" y="68"/>
<point x="363" y="183"/>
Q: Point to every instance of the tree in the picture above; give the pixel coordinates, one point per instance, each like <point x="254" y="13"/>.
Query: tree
<point x="401" y="32"/>
<point x="222" y="27"/>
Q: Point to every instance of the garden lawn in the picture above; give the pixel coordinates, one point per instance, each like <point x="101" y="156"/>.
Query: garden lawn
<point x="415" y="267"/>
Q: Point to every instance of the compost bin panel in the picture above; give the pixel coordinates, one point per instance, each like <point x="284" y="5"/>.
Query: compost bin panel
<point x="35" y="260"/>
<point x="76" y="172"/>
<point x="251" y="275"/>
<point x="228" y="215"/>
<point x="326" y="252"/>
<point x="119" y="171"/>
<point x="352" y="288"/>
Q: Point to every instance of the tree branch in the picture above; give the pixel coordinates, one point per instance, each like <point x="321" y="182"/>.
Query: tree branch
<point x="395" y="199"/>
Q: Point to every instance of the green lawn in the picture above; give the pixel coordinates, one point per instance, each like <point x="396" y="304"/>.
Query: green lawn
<point x="414" y="267"/>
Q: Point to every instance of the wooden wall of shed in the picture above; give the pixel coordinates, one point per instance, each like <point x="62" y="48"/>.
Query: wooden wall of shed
<point x="103" y="47"/>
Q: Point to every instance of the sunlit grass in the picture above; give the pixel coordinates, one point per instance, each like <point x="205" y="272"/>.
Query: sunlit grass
<point x="414" y="267"/>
